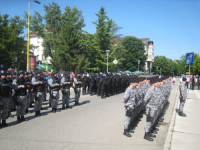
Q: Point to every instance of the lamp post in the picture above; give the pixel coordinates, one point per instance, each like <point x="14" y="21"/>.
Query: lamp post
<point x="107" y="52"/>
<point x="115" y="62"/>
<point x="157" y="70"/>
<point x="138" y="65"/>
<point x="28" y="32"/>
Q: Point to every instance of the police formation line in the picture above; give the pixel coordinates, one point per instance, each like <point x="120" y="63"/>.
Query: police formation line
<point x="22" y="89"/>
<point x="146" y="95"/>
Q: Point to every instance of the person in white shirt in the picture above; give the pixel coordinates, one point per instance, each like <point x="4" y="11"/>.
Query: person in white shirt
<point x="174" y="79"/>
<point x="181" y="80"/>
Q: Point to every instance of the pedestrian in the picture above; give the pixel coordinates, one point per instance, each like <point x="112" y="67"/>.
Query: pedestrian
<point x="183" y="96"/>
<point x="174" y="79"/>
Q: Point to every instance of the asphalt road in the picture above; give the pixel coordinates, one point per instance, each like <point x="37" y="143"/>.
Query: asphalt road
<point x="97" y="124"/>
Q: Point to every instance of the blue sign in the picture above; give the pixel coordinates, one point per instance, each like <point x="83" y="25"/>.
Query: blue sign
<point x="189" y="58"/>
<point x="1" y="66"/>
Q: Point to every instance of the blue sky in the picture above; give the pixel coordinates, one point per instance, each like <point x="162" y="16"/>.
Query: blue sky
<point x="173" y="25"/>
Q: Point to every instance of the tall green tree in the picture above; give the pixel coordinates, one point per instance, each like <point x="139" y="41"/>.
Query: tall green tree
<point x="196" y="67"/>
<point x="12" y="43"/>
<point x="104" y="38"/>
<point x="64" y="40"/>
<point x="134" y="51"/>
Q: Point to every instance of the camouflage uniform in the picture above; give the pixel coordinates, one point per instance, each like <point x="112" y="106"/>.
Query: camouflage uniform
<point x="183" y="95"/>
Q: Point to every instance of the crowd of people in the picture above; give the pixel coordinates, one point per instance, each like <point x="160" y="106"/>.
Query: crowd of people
<point x="150" y="95"/>
<point x="191" y="81"/>
<point x="22" y="90"/>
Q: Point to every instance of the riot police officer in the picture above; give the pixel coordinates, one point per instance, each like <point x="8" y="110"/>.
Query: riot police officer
<point x="38" y="84"/>
<point x="11" y="101"/>
<point x="5" y="94"/>
<point x="77" y="81"/>
<point x="85" y="81"/>
<point x="54" y="83"/>
<point x="92" y="84"/>
<point x="66" y="83"/>
<point x="21" y="94"/>
<point x="29" y="86"/>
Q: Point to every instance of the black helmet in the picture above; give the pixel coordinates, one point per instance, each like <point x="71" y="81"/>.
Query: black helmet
<point x="20" y="72"/>
<point x="66" y="73"/>
<point x="38" y="72"/>
<point x="29" y="72"/>
<point x="54" y="72"/>
<point x="25" y="73"/>
<point x="8" y="73"/>
<point x="3" y="72"/>
<point x="13" y="73"/>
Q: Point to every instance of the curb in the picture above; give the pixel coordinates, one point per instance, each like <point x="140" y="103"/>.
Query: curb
<point x="167" y="145"/>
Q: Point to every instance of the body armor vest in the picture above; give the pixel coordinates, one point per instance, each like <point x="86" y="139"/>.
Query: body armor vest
<point x="5" y="88"/>
<point x="67" y="86"/>
<point x="55" y="80"/>
<point x="78" y="80"/>
<point x="21" y="91"/>
<point x="39" y="87"/>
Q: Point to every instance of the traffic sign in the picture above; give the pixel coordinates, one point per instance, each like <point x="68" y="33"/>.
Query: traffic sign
<point x="189" y="58"/>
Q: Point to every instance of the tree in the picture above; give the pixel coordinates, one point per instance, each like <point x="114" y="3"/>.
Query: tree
<point x="165" y="65"/>
<point x="196" y="66"/>
<point x="12" y="43"/>
<point x="64" y="39"/>
<point x="134" y="51"/>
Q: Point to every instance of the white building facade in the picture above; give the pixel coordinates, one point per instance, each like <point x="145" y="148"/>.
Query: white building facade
<point x="35" y="40"/>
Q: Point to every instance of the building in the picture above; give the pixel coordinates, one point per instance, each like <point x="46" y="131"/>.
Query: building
<point x="149" y="51"/>
<point x="36" y="40"/>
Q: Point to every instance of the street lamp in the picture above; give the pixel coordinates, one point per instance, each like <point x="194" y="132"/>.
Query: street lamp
<point x="115" y="62"/>
<point x="107" y="52"/>
<point x="138" y="65"/>
<point x="157" y="70"/>
<point x="28" y="31"/>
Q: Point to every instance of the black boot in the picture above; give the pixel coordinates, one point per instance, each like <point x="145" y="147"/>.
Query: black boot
<point x="18" y="119"/>
<point x="147" y="137"/>
<point x="4" y="124"/>
<point x="77" y="104"/>
<point x="49" y="104"/>
<point x="23" y="119"/>
<point x="39" y="113"/>
<point x="151" y="135"/>
<point x="26" y="111"/>
<point x="63" y="107"/>
<point x="126" y="133"/>
<point x="14" y="108"/>
<point x="181" y="114"/>
<point x="54" y="110"/>
<point x="10" y="115"/>
<point x="31" y="106"/>
<point x="67" y="106"/>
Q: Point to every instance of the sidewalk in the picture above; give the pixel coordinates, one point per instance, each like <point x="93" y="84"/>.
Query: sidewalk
<point x="184" y="132"/>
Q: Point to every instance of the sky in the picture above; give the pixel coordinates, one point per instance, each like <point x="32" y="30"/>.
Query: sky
<point x="173" y="25"/>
